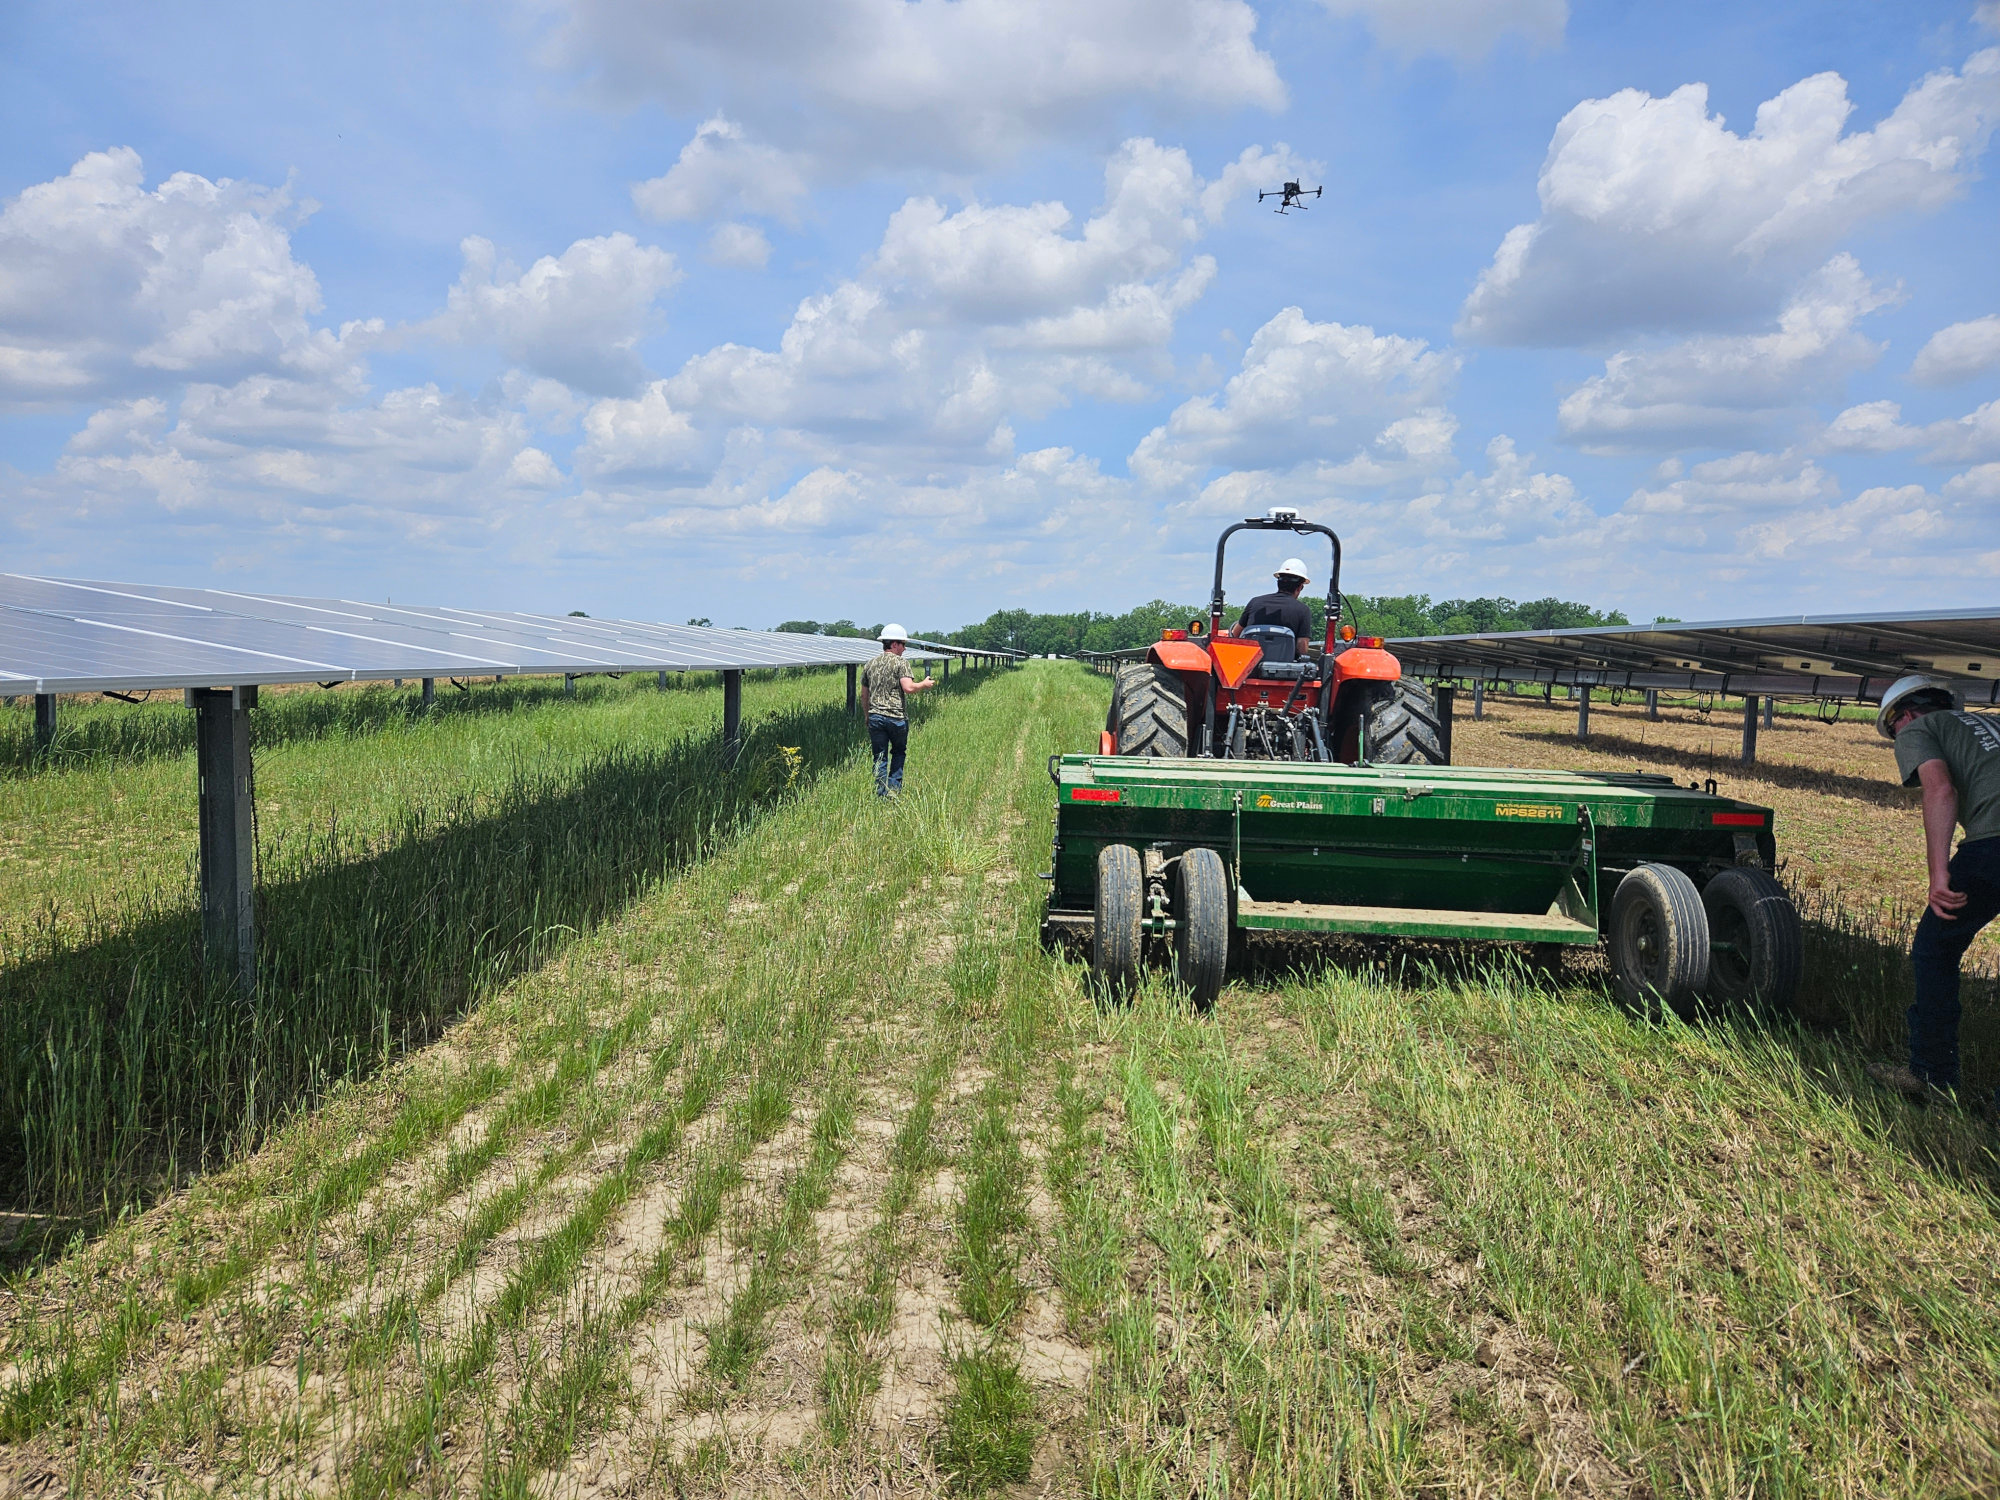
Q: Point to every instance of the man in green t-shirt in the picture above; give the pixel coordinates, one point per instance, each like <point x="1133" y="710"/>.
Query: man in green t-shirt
<point x="1955" y="757"/>
<point x="884" y="681"/>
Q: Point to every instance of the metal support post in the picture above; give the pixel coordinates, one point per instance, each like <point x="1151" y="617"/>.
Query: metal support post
<point x="1653" y="704"/>
<point x="227" y="801"/>
<point x="852" y="670"/>
<point x="45" y="723"/>
<point x="1479" y="699"/>
<point x="430" y="692"/>
<point x="662" y="680"/>
<point x="947" y="669"/>
<point x="732" y="712"/>
<point x="569" y="684"/>
<point x="1445" y="700"/>
<point x="1750" y="729"/>
<point x="1770" y="711"/>
<point x="1582" y="712"/>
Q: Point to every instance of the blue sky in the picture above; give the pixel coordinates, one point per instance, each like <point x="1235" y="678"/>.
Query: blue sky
<point x="922" y="308"/>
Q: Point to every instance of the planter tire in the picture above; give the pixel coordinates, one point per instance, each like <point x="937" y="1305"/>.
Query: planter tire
<point x="1659" y="941"/>
<point x="1756" y="948"/>
<point x="1201" y="939"/>
<point x="1116" y="939"/>
<point x="1149" y="712"/>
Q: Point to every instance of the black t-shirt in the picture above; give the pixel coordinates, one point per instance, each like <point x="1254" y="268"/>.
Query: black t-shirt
<point x="1280" y="609"/>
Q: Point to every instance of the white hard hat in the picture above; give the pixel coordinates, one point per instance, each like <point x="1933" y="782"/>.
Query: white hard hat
<point x="1901" y="691"/>
<point x="1291" y="567"/>
<point x="893" y="633"/>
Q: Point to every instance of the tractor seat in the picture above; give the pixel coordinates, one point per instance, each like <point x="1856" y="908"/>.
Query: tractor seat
<point x="1278" y="641"/>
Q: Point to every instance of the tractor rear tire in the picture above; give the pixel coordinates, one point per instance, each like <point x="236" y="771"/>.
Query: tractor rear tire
<point x="1117" y="941"/>
<point x="1201" y="938"/>
<point x="1659" y="941"/>
<point x="1149" y="713"/>
<point x="1757" y="949"/>
<point x="1399" y="725"/>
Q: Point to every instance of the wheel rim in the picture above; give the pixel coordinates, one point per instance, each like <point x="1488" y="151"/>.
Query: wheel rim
<point x="1649" y="946"/>
<point x="1729" y="952"/>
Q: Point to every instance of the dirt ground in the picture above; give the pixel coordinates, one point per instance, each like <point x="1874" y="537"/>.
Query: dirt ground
<point x="1844" y="826"/>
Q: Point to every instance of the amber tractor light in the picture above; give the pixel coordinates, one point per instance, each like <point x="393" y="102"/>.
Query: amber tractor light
<point x="1173" y="635"/>
<point x="1347" y="632"/>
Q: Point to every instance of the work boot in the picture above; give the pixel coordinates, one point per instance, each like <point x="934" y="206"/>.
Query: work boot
<point x="1903" y="1081"/>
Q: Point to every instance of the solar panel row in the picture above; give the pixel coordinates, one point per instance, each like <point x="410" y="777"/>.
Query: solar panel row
<point x="77" y="636"/>
<point x="1824" y="656"/>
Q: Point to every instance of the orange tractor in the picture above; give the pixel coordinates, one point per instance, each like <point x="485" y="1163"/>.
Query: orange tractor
<point x="1247" y="693"/>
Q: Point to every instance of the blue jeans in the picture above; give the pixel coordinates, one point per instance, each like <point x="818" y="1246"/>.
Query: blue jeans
<point x="890" y="739"/>
<point x="1939" y="945"/>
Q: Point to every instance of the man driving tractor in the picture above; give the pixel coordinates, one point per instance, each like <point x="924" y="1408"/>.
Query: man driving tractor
<point x="1284" y="607"/>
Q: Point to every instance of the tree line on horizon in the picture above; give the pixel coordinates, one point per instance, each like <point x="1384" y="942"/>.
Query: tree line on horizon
<point x="1392" y="616"/>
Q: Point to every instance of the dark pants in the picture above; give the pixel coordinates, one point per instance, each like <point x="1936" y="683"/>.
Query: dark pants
<point x="890" y="739"/>
<point x="1939" y="945"/>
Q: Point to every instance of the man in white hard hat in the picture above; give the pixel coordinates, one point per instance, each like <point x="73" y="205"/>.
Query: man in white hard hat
<point x="1284" y="607"/>
<point x="1955" y="757"/>
<point x="884" y="682"/>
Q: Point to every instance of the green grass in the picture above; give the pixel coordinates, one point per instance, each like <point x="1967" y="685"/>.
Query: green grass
<point x="1366" y="1228"/>
<point x="407" y="867"/>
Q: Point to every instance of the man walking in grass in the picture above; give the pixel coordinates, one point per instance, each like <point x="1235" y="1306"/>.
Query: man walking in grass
<point x="1955" y="757"/>
<point x="884" y="682"/>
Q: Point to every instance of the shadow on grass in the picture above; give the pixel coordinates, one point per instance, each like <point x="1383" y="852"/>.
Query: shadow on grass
<point x="89" y="732"/>
<point x="122" y="1071"/>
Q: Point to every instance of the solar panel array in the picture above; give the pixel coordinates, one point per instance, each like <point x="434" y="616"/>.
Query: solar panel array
<point x="1816" y="656"/>
<point x="60" y="635"/>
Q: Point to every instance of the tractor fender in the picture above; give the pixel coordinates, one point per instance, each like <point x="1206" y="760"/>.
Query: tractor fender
<point x="1180" y="656"/>
<point x="1367" y="664"/>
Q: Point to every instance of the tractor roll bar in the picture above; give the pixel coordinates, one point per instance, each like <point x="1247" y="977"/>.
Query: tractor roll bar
<point x="1282" y="521"/>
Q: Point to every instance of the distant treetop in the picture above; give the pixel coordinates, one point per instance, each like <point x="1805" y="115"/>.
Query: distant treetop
<point x="1399" y="615"/>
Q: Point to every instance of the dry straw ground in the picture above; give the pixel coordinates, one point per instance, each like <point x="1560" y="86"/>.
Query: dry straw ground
<point x="808" y="1172"/>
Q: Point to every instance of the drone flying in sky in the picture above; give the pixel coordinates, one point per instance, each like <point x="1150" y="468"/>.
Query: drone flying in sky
<point x="1291" y="195"/>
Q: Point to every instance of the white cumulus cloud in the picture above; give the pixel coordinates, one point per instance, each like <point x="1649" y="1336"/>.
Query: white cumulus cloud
<point x="300" y="460"/>
<point x="950" y="83"/>
<point x="108" y="289"/>
<point x="575" y="317"/>
<point x="741" y="246"/>
<point x="1656" y="216"/>
<point x="722" y="172"/>
<point x="1959" y="352"/>
<point x="965" y="320"/>
<point x="1326" y="394"/>
<point x="1878" y="427"/>
<point x="1463" y="29"/>
<point x="1718" y="389"/>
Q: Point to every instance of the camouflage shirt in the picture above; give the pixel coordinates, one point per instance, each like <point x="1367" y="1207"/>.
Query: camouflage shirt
<point x="883" y="677"/>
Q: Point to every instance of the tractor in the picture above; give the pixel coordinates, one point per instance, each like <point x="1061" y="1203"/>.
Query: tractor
<point x="1351" y="825"/>
<point x="1247" y="693"/>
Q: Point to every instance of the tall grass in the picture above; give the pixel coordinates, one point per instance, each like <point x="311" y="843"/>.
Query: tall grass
<point x="1858" y="982"/>
<point x="121" y="1071"/>
<point x="93" y="730"/>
